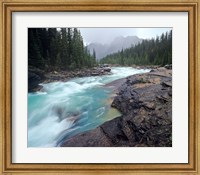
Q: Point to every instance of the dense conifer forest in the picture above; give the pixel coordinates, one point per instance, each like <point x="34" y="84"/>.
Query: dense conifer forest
<point x="156" y="51"/>
<point x="52" y="49"/>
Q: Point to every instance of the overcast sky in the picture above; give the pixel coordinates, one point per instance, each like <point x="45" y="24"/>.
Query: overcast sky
<point x="106" y="35"/>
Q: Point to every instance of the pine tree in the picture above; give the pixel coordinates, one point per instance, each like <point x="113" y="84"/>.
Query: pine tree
<point x="64" y="49"/>
<point x="69" y="48"/>
<point x="54" y="51"/>
<point x="34" y="55"/>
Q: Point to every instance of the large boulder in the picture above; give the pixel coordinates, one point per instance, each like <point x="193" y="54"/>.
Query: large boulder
<point x="107" y="69"/>
<point x="35" y="76"/>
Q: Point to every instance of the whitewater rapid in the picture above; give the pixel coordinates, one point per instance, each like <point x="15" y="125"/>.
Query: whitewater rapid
<point x="64" y="109"/>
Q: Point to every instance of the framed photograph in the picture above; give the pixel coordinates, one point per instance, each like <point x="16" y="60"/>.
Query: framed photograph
<point x="99" y="87"/>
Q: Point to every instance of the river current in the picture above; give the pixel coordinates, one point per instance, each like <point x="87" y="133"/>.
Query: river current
<point x="64" y="109"/>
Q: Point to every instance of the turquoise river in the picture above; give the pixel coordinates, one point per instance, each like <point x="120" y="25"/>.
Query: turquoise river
<point x="64" y="109"/>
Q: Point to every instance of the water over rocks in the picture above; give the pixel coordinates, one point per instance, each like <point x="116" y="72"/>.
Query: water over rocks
<point x="36" y="76"/>
<point x="145" y="101"/>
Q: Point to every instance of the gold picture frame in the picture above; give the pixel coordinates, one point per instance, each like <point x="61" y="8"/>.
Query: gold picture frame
<point x="9" y="6"/>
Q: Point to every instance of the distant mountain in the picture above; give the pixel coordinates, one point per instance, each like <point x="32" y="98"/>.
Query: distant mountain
<point x="99" y="48"/>
<point x="117" y="44"/>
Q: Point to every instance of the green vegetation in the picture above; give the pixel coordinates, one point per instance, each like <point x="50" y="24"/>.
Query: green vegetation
<point x="52" y="49"/>
<point x="149" y="52"/>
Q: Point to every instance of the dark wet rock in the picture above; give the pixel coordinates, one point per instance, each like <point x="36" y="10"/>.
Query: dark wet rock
<point x="153" y="70"/>
<point x="61" y="113"/>
<point x="145" y="67"/>
<point x="145" y="101"/>
<point x="95" y="73"/>
<point x="107" y="69"/>
<point x="35" y="76"/>
<point x="85" y="139"/>
<point x="168" y="66"/>
<point x="33" y="80"/>
<point x="167" y="84"/>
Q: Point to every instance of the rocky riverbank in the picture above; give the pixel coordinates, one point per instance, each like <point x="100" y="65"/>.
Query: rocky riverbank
<point x="37" y="76"/>
<point x="145" y="101"/>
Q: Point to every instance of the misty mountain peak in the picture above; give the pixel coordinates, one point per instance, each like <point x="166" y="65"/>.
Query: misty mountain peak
<point x="117" y="44"/>
<point x="120" y="38"/>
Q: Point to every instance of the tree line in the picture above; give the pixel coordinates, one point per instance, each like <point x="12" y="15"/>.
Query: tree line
<point x="53" y="49"/>
<point x="156" y="51"/>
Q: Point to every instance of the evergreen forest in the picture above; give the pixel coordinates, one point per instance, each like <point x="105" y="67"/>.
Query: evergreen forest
<point x="156" y="51"/>
<point x="52" y="49"/>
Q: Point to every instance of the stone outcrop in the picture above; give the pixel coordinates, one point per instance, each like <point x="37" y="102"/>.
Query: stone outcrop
<point x="35" y="76"/>
<point x="145" y="101"/>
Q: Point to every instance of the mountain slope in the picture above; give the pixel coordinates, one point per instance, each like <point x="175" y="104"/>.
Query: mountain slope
<point x="117" y="44"/>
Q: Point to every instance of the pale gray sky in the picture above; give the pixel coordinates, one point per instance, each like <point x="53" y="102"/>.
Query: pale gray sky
<point x="106" y="35"/>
